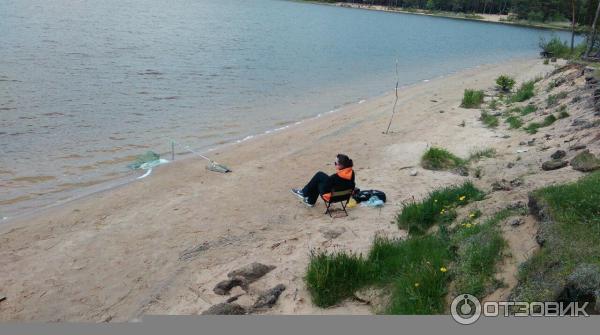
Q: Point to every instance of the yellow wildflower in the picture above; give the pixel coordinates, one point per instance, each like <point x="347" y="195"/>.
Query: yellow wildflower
<point x="443" y="269"/>
<point x="462" y="198"/>
<point x="468" y="225"/>
<point x="472" y="215"/>
<point x="416" y="284"/>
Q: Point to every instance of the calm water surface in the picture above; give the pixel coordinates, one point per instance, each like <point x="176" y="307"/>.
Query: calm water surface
<point x="86" y="85"/>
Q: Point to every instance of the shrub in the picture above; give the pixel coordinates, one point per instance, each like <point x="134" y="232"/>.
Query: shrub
<point x="417" y="217"/>
<point x="505" y="83"/>
<point x="472" y="99"/>
<point x="489" y="120"/>
<point x="525" y="92"/>
<point x="555" y="47"/>
<point x="440" y="159"/>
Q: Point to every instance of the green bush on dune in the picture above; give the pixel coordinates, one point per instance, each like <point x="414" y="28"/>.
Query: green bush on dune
<point x="505" y="83"/>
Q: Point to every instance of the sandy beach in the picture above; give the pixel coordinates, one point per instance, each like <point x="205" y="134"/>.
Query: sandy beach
<point x="116" y="255"/>
<point x="481" y="17"/>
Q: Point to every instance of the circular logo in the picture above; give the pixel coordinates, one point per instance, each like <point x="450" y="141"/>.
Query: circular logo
<point x="465" y="309"/>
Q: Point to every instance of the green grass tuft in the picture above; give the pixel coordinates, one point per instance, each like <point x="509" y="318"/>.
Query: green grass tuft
<point x="482" y="153"/>
<point x="525" y="92"/>
<point x="514" y="122"/>
<point x="472" y="99"/>
<point x="528" y="110"/>
<point x="437" y="207"/>
<point x="333" y="277"/>
<point x="440" y="159"/>
<point x="489" y="120"/>
<point x="533" y="127"/>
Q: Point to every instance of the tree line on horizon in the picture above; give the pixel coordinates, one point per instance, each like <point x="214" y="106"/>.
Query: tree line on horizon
<point x="531" y="10"/>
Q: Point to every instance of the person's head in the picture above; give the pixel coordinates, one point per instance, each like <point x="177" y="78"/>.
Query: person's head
<point x="343" y="161"/>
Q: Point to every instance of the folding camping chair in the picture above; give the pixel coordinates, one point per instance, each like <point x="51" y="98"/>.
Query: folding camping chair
<point x="342" y="197"/>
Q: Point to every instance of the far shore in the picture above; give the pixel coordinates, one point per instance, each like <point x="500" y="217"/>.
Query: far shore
<point x="479" y="17"/>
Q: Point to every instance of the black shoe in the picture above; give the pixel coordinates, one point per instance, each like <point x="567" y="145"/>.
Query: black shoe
<point x="305" y="201"/>
<point x="298" y="192"/>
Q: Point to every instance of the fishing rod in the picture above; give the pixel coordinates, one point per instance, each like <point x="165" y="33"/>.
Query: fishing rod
<point x="213" y="166"/>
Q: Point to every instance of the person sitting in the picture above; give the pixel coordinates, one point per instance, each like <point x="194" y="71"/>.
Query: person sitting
<point x="321" y="183"/>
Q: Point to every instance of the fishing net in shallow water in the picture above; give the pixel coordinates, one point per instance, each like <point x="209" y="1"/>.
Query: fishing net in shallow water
<point x="143" y="161"/>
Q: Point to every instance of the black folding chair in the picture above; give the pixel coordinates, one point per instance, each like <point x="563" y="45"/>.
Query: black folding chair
<point x="342" y="197"/>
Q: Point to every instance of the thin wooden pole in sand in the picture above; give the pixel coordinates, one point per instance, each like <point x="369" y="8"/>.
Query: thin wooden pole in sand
<point x="172" y="151"/>
<point x="396" y="101"/>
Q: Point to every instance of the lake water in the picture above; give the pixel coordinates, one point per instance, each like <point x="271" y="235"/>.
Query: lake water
<point x="87" y="85"/>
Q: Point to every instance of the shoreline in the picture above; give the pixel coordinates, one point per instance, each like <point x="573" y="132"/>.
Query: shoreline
<point x="116" y="255"/>
<point x="128" y="177"/>
<point x="484" y="18"/>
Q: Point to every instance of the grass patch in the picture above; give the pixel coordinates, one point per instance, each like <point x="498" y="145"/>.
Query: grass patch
<point x="489" y="120"/>
<point x="525" y="92"/>
<point x="333" y="277"/>
<point x="514" y="122"/>
<point x="533" y="127"/>
<point x="437" y="207"/>
<point x="573" y="239"/>
<point x="493" y="104"/>
<point x="472" y="99"/>
<point x="482" y="153"/>
<point x="479" y="247"/>
<point x="528" y="110"/>
<point x="411" y="268"/>
<point x="440" y="159"/>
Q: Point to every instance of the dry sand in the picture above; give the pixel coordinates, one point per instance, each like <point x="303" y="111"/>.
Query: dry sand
<point x="114" y="256"/>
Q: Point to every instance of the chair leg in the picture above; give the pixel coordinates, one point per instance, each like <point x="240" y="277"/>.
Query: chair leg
<point x="327" y="211"/>
<point x="344" y="207"/>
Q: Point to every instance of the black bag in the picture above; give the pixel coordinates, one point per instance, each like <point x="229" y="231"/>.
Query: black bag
<point x="361" y="196"/>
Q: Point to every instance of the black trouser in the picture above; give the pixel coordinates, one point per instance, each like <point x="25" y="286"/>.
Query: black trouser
<point x="319" y="184"/>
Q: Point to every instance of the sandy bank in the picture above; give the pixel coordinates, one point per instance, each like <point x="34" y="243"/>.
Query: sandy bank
<point x="115" y="255"/>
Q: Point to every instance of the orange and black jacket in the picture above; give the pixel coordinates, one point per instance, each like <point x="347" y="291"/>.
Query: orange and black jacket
<point x="342" y="180"/>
